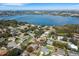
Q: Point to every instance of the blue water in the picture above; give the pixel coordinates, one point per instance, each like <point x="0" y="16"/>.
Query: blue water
<point x="44" y="19"/>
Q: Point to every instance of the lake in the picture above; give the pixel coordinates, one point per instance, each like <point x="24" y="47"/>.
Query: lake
<point x="44" y="19"/>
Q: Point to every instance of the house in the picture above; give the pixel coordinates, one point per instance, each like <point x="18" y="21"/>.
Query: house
<point x="72" y="46"/>
<point x="45" y="34"/>
<point x="60" y="38"/>
<point x="76" y="37"/>
<point x="11" y="39"/>
<point x="13" y="45"/>
<point x="3" y="51"/>
<point x="2" y="39"/>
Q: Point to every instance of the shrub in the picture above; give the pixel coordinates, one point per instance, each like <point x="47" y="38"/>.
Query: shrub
<point x="60" y="44"/>
<point x="15" y="52"/>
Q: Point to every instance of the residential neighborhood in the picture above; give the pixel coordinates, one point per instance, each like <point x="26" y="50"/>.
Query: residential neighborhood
<point x="36" y="40"/>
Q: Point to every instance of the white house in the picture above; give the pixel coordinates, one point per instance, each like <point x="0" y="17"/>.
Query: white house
<point x="60" y="37"/>
<point x="72" y="46"/>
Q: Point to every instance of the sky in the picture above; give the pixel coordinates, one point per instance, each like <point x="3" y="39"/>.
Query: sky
<point x="38" y="6"/>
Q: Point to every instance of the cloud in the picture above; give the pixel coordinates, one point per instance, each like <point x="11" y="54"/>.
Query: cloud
<point x="13" y="4"/>
<point x="76" y="5"/>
